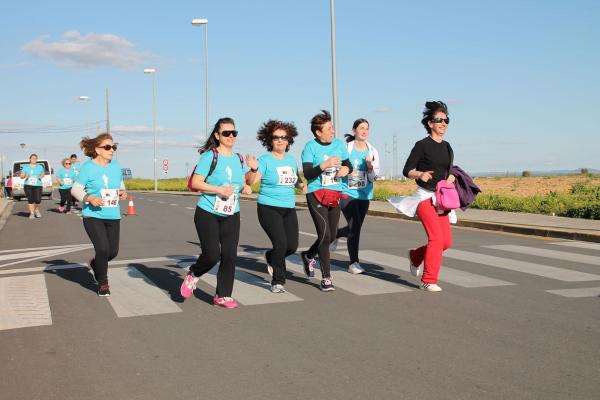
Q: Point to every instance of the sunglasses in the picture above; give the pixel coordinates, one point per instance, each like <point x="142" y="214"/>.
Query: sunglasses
<point x="283" y="138"/>
<point x="67" y="163"/>
<point x="229" y="133"/>
<point x="107" y="147"/>
<point x="440" y="120"/>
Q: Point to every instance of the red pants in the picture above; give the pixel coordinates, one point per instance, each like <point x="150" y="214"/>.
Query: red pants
<point x="439" y="238"/>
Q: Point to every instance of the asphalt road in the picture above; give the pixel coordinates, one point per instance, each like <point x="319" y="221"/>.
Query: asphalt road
<point x="519" y="320"/>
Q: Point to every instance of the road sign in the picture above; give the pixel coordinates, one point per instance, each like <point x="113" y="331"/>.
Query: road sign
<point x="165" y="162"/>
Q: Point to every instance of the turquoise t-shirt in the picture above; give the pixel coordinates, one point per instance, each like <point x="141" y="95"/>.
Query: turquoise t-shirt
<point x="104" y="182"/>
<point x="76" y="167"/>
<point x="358" y="186"/>
<point x="228" y="171"/>
<point x="32" y="174"/>
<point x="315" y="153"/>
<point x="278" y="180"/>
<point x="67" y="177"/>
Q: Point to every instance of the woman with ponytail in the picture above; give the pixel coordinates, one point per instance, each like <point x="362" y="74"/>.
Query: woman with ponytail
<point x="358" y="189"/>
<point x="219" y="177"/>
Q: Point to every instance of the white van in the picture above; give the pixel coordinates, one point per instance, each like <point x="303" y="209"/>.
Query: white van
<point x="18" y="190"/>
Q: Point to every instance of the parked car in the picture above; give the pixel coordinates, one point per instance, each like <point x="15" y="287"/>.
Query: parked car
<point x="18" y="189"/>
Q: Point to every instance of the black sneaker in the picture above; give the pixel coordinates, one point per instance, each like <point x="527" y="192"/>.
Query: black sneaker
<point x="92" y="269"/>
<point x="327" y="285"/>
<point x="103" y="289"/>
<point x="309" y="264"/>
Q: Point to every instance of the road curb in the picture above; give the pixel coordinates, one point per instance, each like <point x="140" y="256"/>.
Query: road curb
<point x="483" y="225"/>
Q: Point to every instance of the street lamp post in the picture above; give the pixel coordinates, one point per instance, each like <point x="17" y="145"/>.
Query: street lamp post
<point x="152" y="71"/>
<point x="199" y="22"/>
<point x="87" y="117"/>
<point x="336" y="117"/>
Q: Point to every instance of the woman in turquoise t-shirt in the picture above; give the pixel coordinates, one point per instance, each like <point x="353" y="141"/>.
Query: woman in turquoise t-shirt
<point x="358" y="187"/>
<point x="65" y="178"/>
<point x="219" y="177"/>
<point x="33" y="173"/>
<point x="324" y="163"/>
<point x="99" y="187"/>
<point x="277" y="172"/>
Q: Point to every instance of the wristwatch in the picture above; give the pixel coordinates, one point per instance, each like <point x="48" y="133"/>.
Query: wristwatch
<point x="253" y="169"/>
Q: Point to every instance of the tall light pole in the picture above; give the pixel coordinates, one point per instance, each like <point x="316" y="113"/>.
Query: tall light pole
<point x="85" y="99"/>
<point x="199" y="22"/>
<point x="152" y="71"/>
<point x="336" y="117"/>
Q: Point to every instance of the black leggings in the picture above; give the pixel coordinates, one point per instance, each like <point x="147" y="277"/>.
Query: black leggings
<point x="355" y="211"/>
<point x="104" y="234"/>
<point x="33" y="193"/>
<point x="326" y="221"/>
<point x="219" y="238"/>
<point x="65" y="197"/>
<point x="281" y="225"/>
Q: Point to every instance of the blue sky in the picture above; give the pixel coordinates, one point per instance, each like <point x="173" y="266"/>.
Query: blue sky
<point x="520" y="77"/>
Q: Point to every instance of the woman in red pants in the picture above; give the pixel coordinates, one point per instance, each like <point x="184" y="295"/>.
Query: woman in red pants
<point x="428" y="163"/>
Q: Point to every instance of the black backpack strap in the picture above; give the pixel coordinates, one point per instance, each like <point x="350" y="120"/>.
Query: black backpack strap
<point x="241" y="159"/>
<point x="213" y="164"/>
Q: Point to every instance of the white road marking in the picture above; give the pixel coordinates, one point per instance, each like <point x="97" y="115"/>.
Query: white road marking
<point x="49" y="254"/>
<point x="447" y="274"/>
<point x="582" y="292"/>
<point x="361" y="285"/>
<point x="558" y="255"/>
<point x="341" y="240"/>
<point x="24" y="302"/>
<point x="191" y="208"/>
<point x="44" y="248"/>
<point x="175" y="205"/>
<point x="250" y="289"/>
<point x="545" y="271"/>
<point x="580" y="245"/>
<point x="134" y="294"/>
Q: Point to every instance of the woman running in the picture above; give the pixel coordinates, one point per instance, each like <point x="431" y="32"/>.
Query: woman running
<point x="65" y="178"/>
<point x="358" y="187"/>
<point x="99" y="186"/>
<point x="324" y="162"/>
<point x="428" y="163"/>
<point x="277" y="172"/>
<point x="33" y="173"/>
<point x="219" y="177"/>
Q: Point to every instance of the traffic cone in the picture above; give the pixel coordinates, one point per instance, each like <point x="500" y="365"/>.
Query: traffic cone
<point x="131" y="207"/>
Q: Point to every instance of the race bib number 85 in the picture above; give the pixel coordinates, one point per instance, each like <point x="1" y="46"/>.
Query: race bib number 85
<point x="228" y="206"/>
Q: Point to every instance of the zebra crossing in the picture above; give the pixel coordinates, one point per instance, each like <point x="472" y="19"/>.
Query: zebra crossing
<point x="25" y="301"/>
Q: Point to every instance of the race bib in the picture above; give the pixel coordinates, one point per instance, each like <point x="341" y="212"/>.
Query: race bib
<point x="358" y="181"/>
<point x="67" y="181"/>
<point x="32" y="180"/>
<point x="287" y="176"/>
<point x="110" y="198"/>
<point x="328" y="177"/>
<point x="228" y="206"/>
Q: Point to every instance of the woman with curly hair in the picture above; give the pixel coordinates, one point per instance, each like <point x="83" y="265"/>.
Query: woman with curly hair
<point x="277" y="172"/>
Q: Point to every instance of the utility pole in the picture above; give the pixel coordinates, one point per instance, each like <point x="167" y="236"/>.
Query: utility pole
<point x="395" y="154"/>
<point x="107" y="114"/>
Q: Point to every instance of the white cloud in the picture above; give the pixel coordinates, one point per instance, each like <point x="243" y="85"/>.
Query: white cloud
<point x="87" y="51"/>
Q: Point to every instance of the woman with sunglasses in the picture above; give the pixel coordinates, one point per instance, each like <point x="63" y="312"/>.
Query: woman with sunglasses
<point x="277" y="172"/>
<point x="428" y="163"/>
<point x="219" y="177"/>
<point x="33" y="173"/>
<point x="324" y="162"/>
<point x="358" y="187"/>
<point x="99" y="187"/>
<point x="65" y="178"/>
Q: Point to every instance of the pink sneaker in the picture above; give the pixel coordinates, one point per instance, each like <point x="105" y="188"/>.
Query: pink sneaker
<point x="61" y="209"/>
<point x="226" y="302"/>
<point x="188" y="285"/>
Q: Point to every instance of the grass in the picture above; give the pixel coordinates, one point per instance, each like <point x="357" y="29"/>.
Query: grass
<point x="576" y="196"/>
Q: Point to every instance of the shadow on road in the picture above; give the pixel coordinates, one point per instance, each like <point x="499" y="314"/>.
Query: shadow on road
<point x="80" y="276"/>
<point x="165" y="279"/>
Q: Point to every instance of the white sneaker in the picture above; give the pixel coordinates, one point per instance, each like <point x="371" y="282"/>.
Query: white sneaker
<point x="38" y="214"/>
<point x="31" y="216"/>
<point x="355" y="268"/>
<point x="415" y="270"/>
<point x="277" y="288"/>
<point x="430" y="287"/>
<point x="334" y="245"/>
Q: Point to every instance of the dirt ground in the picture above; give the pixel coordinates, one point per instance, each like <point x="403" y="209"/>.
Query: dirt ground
<point x="517" y="186"/>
